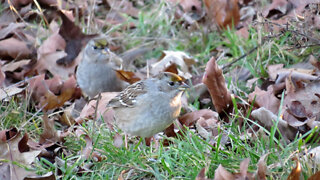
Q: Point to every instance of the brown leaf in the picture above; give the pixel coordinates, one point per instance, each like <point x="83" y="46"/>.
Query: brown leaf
<point x="265" y="99"/>
<point x="51" y="101"/>
<point x="172" y="68"/>
<point x="244" y="169"/>
<point x="102" y="111"/>
<point x="225" y="13"/>
<point x="295" y="173"/>
<point x="4" y="32"/>
<point x="16" y="150"/>
<point x="6" y="135"/>
<point x="14" y="48"/>
<point x="127" y="76"/>
<point x="48" y="62"/>
<point x="262" y="168"/>
<point x="214" y="80"/>
<point x="179" y="58"/>
<point x="74" y="38"/>
<point x="86" y="152"/>
<point x="10" y="91"/>
<point x="316" y="176"/>
<point x="222" y="174"/>
<point x="302" y="103"/>
<point x="53" y="43"/>
<point x="190" y="118"/>
<point x="19" y="3"/>
<point x="117" y="140"/>
<point x="49" y="135"/>
<point x="207" y="128"/>
<point x="273" y="70"/>
<point x="314" y="62"/>
<point x="267" y="120"/>
<point x="202" y="175"/>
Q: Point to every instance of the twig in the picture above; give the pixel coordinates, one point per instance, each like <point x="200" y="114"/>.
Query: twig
<point x="293" y="31"/>
<point x="226" y="67"/>
<point x="305" y="46"/>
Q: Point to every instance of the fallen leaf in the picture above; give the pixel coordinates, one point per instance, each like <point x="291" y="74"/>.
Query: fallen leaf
<point x="6" y="135"/>
<point x="86" y="152"/>
<point x="314" y="153"/>
<point x="4" y="32"/>
<point x="190" y="119"/>
<point x="10" y="91"/>
<point x="179" y="58"/>
<point x="74" y="38"/>
<point x="222" y="174"/>
<point x="127" y="76"/>
<point x="52" y="101"/>
<point x="224" y="13"/>
<point x="295" y="173"/>
<point x="302" y="104"/>
<point x="202" y="175"/>
<point x="14" y="48"/>
<point x="267" y="119"/>
<point x="49" y="135"/>
<point x="102" y="111"/>
<point x="262" y="168"/>
<point x="207" y="128"/>
<point x="117" y="140"/>
<point x="316" y="176"/>
<point x="16" y="150"/>
<point x="53" y="43"/>
<point x="265" y="99"/>
<point x="214" y="80"/>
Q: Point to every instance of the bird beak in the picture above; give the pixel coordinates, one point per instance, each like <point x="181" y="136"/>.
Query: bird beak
<point x="105" y="50"/>
<point x="184" y="86"/>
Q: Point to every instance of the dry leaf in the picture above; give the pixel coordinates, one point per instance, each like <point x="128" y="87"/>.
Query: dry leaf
<point x="16" y="150"/>
<point x="214" y="80"/>
<point x="225" y="13"/>
<point x="74" y="38"/>
<point x="127" y="76"/>
<point x="267" y="120"/>
<point x="316" y="176"/>
<point x="67" y="91"/>
<point x="295" y="173"/>
<point x="262" y="168"/>
<point x="179" y="58"/>
<point x="265" y="99"/>
<point x="202" y="175"/>
<point x="14" y="48"/>
<point x="86" y="152"/>
<point x="102" y="111"/>
<point x="10" y="91"/>
<point x="190" y="119"/>
<point x="222" y="174"/>
<point x="117" y="140"/>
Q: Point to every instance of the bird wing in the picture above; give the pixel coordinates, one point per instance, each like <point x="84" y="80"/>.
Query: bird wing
<point x="127" y="98"/>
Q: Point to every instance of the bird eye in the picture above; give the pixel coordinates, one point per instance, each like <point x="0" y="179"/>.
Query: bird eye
<point x="171" y="83"/>
<point x="94" y="47"/>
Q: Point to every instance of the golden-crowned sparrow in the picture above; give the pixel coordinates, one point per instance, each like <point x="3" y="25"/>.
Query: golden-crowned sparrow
<point x="149" y="106"/>
<point x="96" y="71"/>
